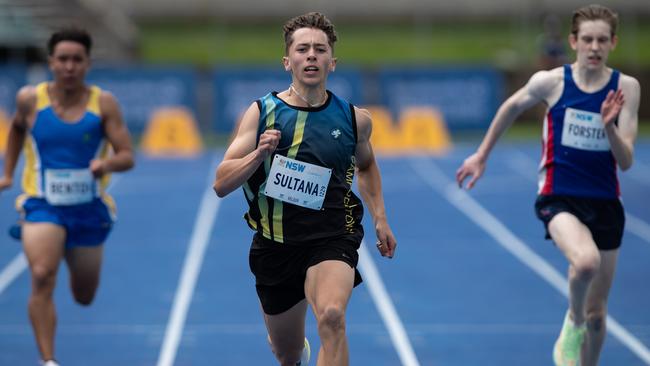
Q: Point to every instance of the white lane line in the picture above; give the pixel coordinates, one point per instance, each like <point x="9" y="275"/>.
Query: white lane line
<point x="12" y="271"/>
<point x="191" y="268"/>
<point x="385" y="306"/>
<point x="432" y="174"/>
<point x="637" y="226"/>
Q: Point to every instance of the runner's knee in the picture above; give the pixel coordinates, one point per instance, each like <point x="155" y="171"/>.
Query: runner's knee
<point x="43" y="277"/>
<point x="332" y="318"/>
<point x="83" y="295"/>
<point x="587" y="265"/>
<point x="596" y="319"/>
<point x="84" y="299"/>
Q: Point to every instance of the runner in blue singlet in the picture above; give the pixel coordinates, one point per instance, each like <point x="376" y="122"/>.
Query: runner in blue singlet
<point x="589" y="132"/>
<point x="65" y="129"/>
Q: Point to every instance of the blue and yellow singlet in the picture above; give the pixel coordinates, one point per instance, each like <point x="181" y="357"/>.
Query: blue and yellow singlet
<point x="58" y="154"/>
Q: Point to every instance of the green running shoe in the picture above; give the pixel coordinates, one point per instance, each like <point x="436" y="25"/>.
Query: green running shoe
<point x="306" y="354"/>
<point x="569" y="344"/>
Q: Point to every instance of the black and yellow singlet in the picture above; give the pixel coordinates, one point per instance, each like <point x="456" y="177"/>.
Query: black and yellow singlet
<point x="325" y="136"/>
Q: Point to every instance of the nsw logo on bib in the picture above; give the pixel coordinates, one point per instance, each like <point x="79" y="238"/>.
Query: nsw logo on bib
<point x="584" y="130"/>
<point x="297" y="182"/>
<point x="68" y="186"/>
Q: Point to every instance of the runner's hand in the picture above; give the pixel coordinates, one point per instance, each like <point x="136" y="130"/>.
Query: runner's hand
<point x="612" y="106"/>
<point x="5" y="183"/>
<point x="386" y="243"/>
<point x="473" y="167"/>
<point x="269" y="141"/>
<point x="98" y="168"/>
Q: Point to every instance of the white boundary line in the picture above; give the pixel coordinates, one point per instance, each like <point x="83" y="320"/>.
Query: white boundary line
<point x="436" y="179"/>
<point x="637" y="226"/>
<point x="12" y="271"/>
<point x="385" y="307"/>
<point x="191" y="268"/>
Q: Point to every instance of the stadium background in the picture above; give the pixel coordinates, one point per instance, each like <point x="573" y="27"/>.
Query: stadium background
<point x="433" y="72"/>
<point x="213" y="58"/>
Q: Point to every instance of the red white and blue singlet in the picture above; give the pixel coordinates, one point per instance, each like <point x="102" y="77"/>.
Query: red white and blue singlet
<point x="576" y="156"/>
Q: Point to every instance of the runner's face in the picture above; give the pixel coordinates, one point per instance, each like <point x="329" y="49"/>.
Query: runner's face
<point x="309" y="57"/>
<point x="69" y="63"/>
<point x="593" y="44"/>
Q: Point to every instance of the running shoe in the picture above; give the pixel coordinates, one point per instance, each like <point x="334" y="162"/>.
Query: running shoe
<point x="569" y="344"/>
<point x="15" y="231"/>
<point x="306" y="352"/>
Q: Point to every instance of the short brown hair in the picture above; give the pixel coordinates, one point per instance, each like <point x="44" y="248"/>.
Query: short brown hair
<point x="309" y="20"/>
<point x="594" y="12"/>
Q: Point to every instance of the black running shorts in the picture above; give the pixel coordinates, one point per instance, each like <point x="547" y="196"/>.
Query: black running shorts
<point x="605" y="218"/>
<point x="280" y="269"/>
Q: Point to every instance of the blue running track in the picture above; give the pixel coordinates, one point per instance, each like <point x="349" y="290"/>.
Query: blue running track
<point x="473" y="281"/>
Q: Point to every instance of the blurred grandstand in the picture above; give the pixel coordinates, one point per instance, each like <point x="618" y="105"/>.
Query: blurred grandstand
<point x="25" y="26"/>
<point x="364" y="10"/>
<point x="184" y="54"/>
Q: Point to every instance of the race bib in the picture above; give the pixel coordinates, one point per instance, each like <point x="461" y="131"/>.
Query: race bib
<point x="584" y="130"/>
<point x="68" y="186"/>
<point x="296" y="182"/>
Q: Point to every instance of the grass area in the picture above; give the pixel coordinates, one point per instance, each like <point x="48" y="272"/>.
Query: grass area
<point x="506" y="43"/>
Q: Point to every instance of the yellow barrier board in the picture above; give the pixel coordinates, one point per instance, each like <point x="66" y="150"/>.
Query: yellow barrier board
<point x="172" y="132"/>
<point x="385" y="135"/>
<point x="420" y="130"/>
<point x="4" y="131"/>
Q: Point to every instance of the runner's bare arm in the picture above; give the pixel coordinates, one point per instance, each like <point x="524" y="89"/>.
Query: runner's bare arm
<point x="624" y="105"/>
<point x="117" y="135"/>
<point x="369" y="182"/>
<point x="25" y="105"/>
<point x="540" y="88"/>
<point x="242" y="156"/>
